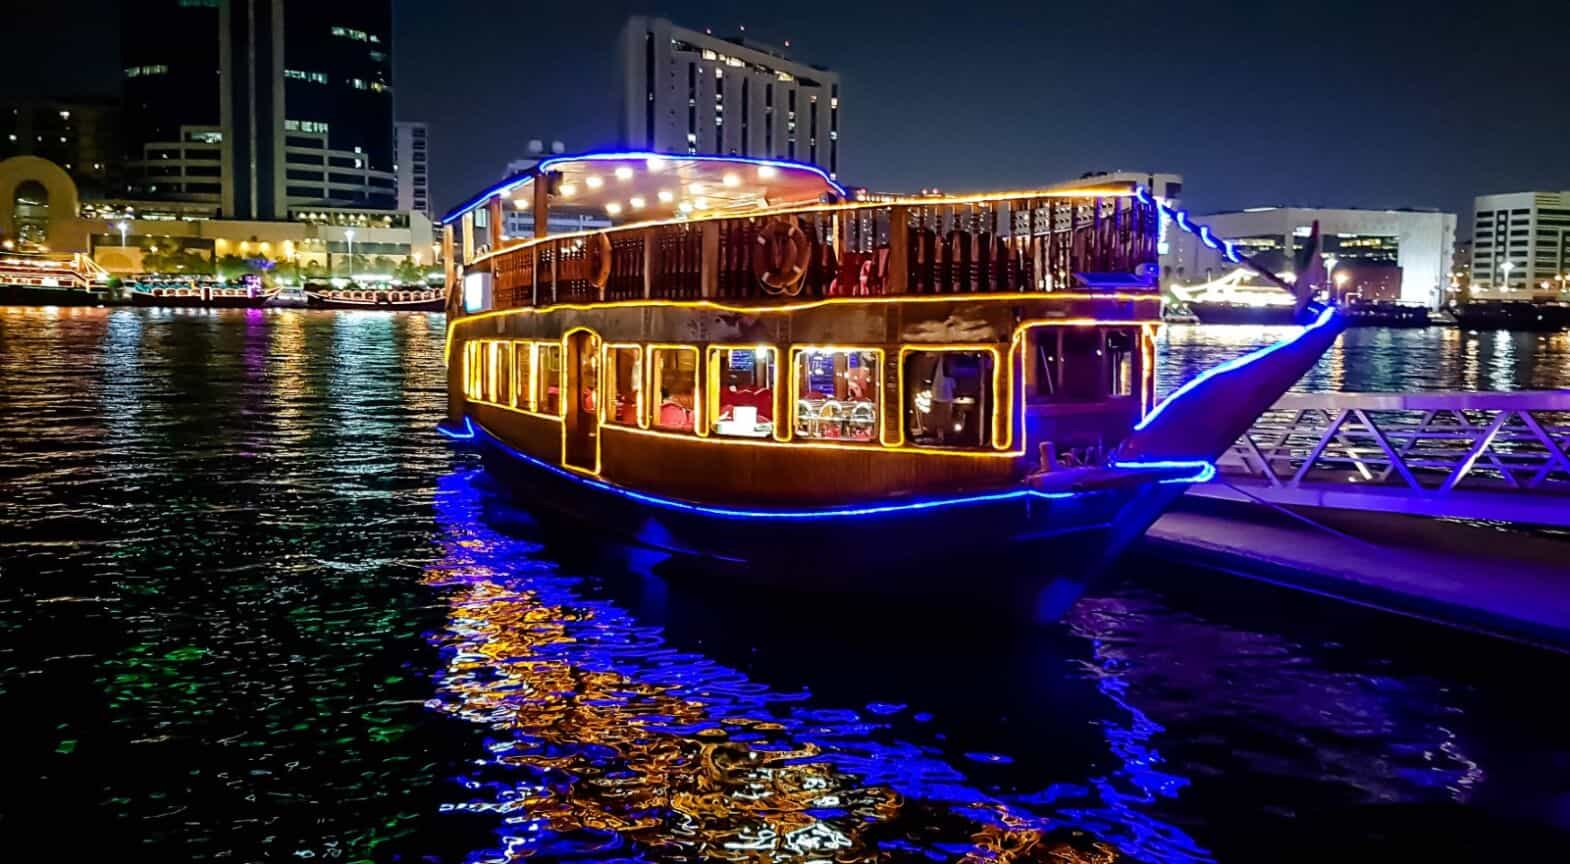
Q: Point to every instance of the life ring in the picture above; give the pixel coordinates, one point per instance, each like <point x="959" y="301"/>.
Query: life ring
<point x="599" y="260"/>
<point x="781" y="256"/>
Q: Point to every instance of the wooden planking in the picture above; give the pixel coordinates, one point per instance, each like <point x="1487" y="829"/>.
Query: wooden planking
<point x="788" y="474"/>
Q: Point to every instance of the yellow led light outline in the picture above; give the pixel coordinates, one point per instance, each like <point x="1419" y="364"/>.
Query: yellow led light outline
<point x="800" y="444"/>
<point x="1002" y="388"/>
<point x="639" y="406"/>
<point x="795" y="384"/>
<point x="1122" y="191"/>
<point x="699" y="428"/>
<point x="709" y="305"/>
<point x="712" y="370"/>
<point x="562" y="401"/>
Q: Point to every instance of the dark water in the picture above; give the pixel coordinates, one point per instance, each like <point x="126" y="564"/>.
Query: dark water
<point x="251" y="609"/>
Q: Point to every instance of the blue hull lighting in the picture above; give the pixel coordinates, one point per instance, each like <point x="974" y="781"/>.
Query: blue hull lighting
<point x="1203" y="471"/>
<point x="1325" y="317"/>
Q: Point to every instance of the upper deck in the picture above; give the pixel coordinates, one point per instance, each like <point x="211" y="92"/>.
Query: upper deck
<point x="761" y="232"/>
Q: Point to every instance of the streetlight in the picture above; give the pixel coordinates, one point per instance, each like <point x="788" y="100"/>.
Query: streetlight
<point x="349" y="233"/>
<point x="1507" y="267"/>
<point x="124" y="226"/>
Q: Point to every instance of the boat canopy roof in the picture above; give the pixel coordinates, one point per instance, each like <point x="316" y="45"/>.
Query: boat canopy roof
<point x="639" y="186"/>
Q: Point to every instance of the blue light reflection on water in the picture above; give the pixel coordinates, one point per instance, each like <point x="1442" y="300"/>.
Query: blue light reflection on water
<point x="588" y="712"/>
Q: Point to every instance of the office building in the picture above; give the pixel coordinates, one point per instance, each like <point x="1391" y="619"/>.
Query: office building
<point x="257" y="109"/>
<point x="414" y="167"/>
<point x="1371" y="244"/>
<point x="79" y="136"/>
<point x="685" y="91"/>
<point x="1521" y="245"/>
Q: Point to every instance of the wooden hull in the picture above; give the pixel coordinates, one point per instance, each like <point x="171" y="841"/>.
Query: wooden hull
<point x="1017" y="550"/>
<point x="143" y="298"/>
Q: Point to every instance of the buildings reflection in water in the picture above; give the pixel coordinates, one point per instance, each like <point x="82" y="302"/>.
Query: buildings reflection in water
<point x="603" y="740"/>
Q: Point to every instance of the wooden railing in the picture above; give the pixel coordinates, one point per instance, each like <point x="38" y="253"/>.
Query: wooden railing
<point x="1003" y="245"/>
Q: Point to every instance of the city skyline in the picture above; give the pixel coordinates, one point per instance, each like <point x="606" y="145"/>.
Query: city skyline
<point x="1413" y="111"/>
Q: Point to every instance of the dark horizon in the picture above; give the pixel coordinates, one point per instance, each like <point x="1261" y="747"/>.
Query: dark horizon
<point x="1389" y="107"/>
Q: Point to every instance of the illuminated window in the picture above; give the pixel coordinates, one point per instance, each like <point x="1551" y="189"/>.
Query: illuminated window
<point x="949" y="398"/>
<point x="547" y="379"/>
<point x="471" y="370"/>
<point x="497" y="366"/>
<point x="624" y="385"/>
<point x="676" y="388"/>
<point x="522" y="370"/>
<point x="836" y="394"/>
<point x="741" y="391"/>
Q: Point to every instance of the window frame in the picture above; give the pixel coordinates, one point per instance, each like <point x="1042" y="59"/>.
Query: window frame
<point x="527" y="390"/>
<point x="1001" y="437"/>
<point x="560" y="347"/>
<point x="711" y="372"/>
<point x="881" y="421"/>
<point x="640" y="407"/>
<point x="699" y="412"/>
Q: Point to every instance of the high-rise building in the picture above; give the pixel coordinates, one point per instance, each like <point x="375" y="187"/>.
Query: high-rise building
<point x="77" y="135"/>
<point x="414" y="167"/>
<point x="685" y="91"/>
<point x="258" y="107"/>
<point x="1521" y="245"/>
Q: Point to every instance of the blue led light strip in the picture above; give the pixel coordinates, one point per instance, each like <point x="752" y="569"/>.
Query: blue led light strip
<point x="514" y="182"/>
<point x="1324" y="319"/>
<point x="1227" y="248"/>
<point x="1204" y="471"/>
<point x="454" y="434"/>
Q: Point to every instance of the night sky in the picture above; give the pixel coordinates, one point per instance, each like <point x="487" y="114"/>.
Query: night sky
<point x="1333" y="103"/>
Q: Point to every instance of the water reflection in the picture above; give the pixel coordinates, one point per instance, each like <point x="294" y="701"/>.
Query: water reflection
<point x="602" y="734"/>
<point x="249" y="610"/>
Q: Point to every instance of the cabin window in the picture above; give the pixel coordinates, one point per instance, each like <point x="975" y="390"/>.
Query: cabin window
<point x="498" y="363"/>
<point x="949" y="398"/>
<point x="1084" y="364"/>
<point x="836" y="394"/>
<point x="742" y="395"/>
<point x="675" y="376"/>
<point x="471" y="369"/>
<point x="522" y="375"/>
<point x="623" y="384"/>
<point x="547" y="392"/>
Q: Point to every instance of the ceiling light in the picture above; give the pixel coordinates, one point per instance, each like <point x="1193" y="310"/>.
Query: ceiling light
<point x="637" y="202"/>
<point x="695" y="188"/>
<point x="731" y="180"/>
<point x="593" y="181"/>
<point x="667" y="196"/>
<point x="701" y="203"/>
<point x="767" y="171"/>
<point x="568" y="190"/>
<point x="613" y="208"/>
<point x="624" y="173"/>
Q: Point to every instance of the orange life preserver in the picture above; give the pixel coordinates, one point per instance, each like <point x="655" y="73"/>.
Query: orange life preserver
<point x="599" y="249"/>
<point x="781" y="256"/>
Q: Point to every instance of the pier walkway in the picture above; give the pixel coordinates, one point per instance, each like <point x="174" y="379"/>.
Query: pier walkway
<point x="1445" y="506"/>
<point x="1491" y="456"/>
